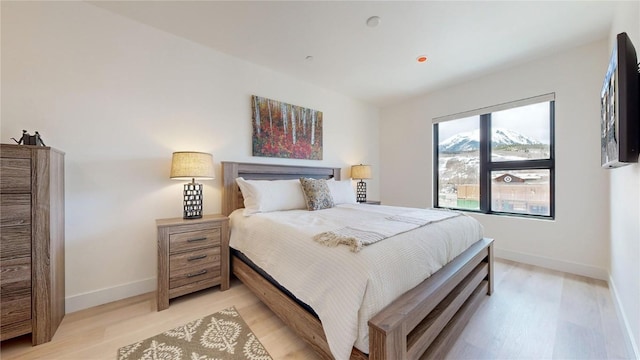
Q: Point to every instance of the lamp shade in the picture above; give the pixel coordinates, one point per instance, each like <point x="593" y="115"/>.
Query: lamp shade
<point x="187" y="165"/>
<point x="361" y="171"/>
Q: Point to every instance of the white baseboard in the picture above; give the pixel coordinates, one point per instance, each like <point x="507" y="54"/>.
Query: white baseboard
<point x="632" y="347"/>
<point x="102" y="296"/>
<point x="554" y="264"/>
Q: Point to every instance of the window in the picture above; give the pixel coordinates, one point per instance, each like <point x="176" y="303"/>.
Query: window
<point x="497" y="160"/>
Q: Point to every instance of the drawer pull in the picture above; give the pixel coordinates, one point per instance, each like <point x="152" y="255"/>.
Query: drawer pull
<point x="197" y="239"/>
<point x="197" y="257"/>
<point x="201" y="272"/>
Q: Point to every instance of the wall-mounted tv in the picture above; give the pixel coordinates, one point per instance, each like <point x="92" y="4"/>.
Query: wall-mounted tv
<point x="620" y="101"/>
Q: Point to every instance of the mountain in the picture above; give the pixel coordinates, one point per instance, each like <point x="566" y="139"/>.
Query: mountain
<point x="469" y="141"/>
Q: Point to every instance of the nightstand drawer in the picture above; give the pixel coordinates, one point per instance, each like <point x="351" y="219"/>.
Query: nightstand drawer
<point x="193" y="240"/>
<point x="195" y="258"/>
<point x="194" y="274"/>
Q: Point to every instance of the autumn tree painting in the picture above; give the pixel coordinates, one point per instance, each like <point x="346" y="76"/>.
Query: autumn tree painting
<point x="285" y="131"/>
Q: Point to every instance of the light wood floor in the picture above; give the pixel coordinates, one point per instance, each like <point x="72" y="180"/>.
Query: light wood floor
<point x="534" y="314"/>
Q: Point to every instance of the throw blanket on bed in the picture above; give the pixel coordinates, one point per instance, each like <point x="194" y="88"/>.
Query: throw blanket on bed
<point x="370" y="232"/>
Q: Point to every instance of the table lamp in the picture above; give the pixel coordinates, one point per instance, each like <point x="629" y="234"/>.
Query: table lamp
<point x="191" y="165"/>
<point x="361" y="172"/>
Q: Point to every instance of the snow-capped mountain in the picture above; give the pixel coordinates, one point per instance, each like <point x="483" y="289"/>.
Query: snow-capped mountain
<point x="469" y="141"/>
<point x="508" y="137"/>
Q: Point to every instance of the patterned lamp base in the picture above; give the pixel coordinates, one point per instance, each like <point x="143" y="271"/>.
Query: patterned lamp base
<point x="192" y="201"/>
<point x="361" y="191"/>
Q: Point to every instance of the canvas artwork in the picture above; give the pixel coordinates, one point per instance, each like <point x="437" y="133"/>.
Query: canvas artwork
<point x="285" y="131"/>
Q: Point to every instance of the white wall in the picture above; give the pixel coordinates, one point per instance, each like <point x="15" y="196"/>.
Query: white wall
<point x="577" y="240"/>
<point x="119" y="97"/>
<point x="597" y="227"/>
<point x="625" y="208"/>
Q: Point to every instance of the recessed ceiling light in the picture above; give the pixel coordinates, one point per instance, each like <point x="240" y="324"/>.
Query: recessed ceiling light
<point x="421" y="58"/>
<point x="373" y="21"/>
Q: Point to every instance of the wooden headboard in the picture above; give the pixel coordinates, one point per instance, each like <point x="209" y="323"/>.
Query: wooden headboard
<point x="231" y="195"/>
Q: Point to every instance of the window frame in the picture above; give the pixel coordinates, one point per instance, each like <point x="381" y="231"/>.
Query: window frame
<point x="487" y="165"/>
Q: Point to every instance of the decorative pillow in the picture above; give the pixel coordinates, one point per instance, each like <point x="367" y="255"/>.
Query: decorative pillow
<point x="271" y="195"/>
<point x="316" y="193"/>
<point x="342" y="192"/>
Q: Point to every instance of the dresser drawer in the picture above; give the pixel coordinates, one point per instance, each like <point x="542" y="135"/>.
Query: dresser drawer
<point x="16" y="175"/>
<point x="15" y="290"/>
<point x="192" y="240"/>
<point x="15" y="241"/>
<point x="196" y="258"/>
<point x="15" y="209"/>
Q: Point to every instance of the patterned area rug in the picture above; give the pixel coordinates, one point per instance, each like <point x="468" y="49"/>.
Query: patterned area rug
<point x="221" y="336"/>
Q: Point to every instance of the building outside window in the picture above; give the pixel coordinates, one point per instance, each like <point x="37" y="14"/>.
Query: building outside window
<point x="497" y="160"/>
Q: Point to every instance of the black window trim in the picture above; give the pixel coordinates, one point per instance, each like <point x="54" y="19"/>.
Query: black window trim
<point x="487" y="166"/>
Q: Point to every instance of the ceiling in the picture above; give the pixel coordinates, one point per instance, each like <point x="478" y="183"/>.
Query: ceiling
<point x="462" y="39"/>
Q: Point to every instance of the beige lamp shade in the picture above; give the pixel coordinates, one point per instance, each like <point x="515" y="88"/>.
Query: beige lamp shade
<point x="361" y="171"/>
<point x="187" y="165"/>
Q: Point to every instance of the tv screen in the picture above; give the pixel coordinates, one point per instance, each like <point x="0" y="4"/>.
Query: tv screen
<point x="620" y="106"/>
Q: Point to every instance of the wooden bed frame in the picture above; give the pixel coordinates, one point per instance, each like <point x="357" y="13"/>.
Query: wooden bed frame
<point x="422" y="323"/>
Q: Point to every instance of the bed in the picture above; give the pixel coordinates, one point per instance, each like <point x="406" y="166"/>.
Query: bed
<point x="421" y="323"/>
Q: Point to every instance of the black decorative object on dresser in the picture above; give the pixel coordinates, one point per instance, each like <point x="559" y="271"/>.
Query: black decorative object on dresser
<point x="31" y="241"/>
<point x="192" y="255"/>
<point x="28" y="139"/>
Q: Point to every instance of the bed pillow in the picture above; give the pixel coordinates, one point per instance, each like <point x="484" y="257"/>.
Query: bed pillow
<point x="342" y="192"/>
<point x="271" y="195"/>
<point x="316" y="193"/>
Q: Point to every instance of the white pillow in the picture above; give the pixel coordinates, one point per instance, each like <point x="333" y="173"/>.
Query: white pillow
<point x="342" y="192"/>
<point x="271" y="195"/>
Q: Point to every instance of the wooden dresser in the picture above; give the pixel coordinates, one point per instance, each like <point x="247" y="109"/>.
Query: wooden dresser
<point x="192" y="255"/>
<point x="31" y="241"/>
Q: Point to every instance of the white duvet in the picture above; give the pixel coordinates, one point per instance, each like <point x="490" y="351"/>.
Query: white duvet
<point x="344" y="288"/>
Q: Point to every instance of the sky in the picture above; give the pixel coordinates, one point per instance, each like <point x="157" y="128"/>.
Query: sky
<point x="531" y="121"/>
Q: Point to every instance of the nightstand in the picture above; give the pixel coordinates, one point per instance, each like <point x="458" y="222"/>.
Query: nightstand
<point x="371" y="202"/>
<point x="192" y="255"/>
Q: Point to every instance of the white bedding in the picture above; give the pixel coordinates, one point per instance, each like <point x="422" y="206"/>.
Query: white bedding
<point x="345" y="288"/>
